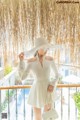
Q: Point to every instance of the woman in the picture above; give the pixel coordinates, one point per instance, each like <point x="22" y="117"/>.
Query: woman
<point x="41" y="66"/>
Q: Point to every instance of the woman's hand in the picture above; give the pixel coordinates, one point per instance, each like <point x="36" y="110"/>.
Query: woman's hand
<point x="50" y="88"/>
<point x="21" y="56"/>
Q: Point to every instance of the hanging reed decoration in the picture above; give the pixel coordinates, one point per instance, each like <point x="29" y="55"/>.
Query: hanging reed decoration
<point x="67" y="1"/>
<point x="21" y="21"/>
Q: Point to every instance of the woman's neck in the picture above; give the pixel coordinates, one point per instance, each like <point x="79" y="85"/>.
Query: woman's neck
<point x="41" y="59"/>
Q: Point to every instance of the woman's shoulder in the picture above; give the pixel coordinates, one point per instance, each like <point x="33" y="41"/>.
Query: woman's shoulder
<point x="49" y="58"/>
<point x="30" y="60"/>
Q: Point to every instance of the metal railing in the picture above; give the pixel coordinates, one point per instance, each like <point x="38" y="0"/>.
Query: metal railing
<point x="11" y="109"/>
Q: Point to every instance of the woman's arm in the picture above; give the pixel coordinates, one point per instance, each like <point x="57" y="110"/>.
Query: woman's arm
<point x="23" y="68"/>
<point x="54" y="68"/>
<point x="52" y="84"/>
<point x="57" y="76"/>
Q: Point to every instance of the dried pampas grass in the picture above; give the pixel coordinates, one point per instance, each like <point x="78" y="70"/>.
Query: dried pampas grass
<point x="21" y="21"/>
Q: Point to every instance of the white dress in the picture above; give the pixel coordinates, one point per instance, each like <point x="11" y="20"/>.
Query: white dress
<point x="38" y="92"/>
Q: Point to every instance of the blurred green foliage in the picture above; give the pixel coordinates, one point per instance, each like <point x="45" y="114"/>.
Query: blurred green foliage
<point x="9" y="95"/>
<point x="76" y="97"/>
<point x="7" y="69"/>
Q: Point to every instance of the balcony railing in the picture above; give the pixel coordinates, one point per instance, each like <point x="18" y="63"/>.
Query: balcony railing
<point x="15" y="107"/>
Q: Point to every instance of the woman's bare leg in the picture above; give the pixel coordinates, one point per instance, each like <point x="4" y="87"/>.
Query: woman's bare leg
<point x="37" y="113"/>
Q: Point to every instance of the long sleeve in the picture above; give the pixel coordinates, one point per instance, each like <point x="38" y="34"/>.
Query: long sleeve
<point x="54" y="68"/>
<point x="23" y="69"/>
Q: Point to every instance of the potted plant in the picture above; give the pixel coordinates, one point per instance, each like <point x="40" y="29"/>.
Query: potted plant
<point x="76" y="97"/>
<point x="11" y="96"/>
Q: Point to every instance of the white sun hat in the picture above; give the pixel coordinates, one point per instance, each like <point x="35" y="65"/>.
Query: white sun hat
<point x="41" y="43"/>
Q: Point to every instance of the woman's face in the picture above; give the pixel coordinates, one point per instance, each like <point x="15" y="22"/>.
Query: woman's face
<point x="21" y="56"/>
<point x="41" y="52"/>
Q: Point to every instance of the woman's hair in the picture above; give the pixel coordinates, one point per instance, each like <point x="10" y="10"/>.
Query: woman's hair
<point x="36" y="53"/>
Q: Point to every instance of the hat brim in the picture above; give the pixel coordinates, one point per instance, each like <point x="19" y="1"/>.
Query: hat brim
<point x="45" y="47"/>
